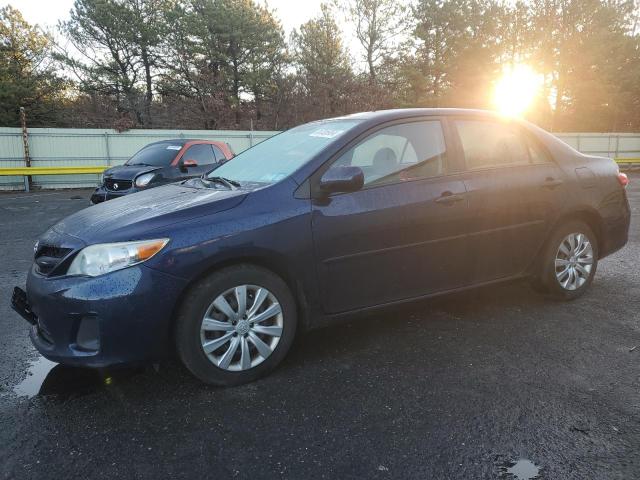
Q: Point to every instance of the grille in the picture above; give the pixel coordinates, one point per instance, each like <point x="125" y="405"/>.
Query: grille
<point x="111" y="183"/>
<point x="49" y="257"/>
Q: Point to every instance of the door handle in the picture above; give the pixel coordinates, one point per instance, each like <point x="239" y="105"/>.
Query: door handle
<point x="551" y="182"/>
<point x="449" y="198"/>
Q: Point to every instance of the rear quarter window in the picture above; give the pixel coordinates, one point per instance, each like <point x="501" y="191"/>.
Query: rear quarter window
<point x="218" y="153"/>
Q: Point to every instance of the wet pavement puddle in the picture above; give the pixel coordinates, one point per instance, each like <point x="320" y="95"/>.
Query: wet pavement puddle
<point x="523" y="469"/>
<point x="36" y="374"/>
<point x="49" y="378"/>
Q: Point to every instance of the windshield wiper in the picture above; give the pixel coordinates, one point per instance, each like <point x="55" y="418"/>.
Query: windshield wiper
<point x="231" y="184"/>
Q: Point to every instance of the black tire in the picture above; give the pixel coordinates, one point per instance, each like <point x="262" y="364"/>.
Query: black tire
<point x="197" y="302"/>
<point x="545" y="280"/>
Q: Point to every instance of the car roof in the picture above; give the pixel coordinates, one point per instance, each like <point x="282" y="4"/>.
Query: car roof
<point x="184" y="141"/>
<point x="397" y="113"/>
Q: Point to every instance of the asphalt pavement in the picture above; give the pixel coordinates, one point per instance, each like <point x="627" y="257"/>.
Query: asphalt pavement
<point x="494" y="383"/>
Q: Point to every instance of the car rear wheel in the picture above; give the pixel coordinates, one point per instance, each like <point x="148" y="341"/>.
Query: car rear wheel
<point x="568" y="262"/>
<point x="236" y="325"/>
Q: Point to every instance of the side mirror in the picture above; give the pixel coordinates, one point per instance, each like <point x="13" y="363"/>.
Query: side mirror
<point x="342" y="179"/>
<point x="190" y="163"/>
<point x="185" y="164"/>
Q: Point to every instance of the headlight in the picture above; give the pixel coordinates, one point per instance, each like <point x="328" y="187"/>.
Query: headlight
<point x="103" y="258"/>
<point x="143" y="180"/>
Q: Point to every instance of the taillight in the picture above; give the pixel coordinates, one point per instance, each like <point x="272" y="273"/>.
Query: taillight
<point x="623" y="179"/>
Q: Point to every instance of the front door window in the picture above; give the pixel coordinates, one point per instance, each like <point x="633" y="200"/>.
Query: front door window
<point x="400" y="152"/>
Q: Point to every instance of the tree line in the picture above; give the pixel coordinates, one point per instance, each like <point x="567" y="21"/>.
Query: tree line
<point x="227" y="64"/>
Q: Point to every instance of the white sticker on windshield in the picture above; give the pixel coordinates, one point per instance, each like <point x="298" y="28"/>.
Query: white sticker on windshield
<point x="325" y="133"/>
<point x="174" y="147"/>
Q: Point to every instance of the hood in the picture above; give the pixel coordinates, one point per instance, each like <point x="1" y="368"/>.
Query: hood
<point x="128" y="172"/>
<point x="134" y="216"/>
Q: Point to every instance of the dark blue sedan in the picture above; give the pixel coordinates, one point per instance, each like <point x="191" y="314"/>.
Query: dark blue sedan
<point x="323" y="221"/>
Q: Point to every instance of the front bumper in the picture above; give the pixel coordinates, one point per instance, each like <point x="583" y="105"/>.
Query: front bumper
<point x="122" y="317"/>
<point x="101" y="194"/>
<point x="20" y="304"/>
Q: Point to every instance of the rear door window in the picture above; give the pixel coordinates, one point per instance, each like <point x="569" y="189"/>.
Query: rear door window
<point x="489" y="144"/>
<point x="201" y="153"/>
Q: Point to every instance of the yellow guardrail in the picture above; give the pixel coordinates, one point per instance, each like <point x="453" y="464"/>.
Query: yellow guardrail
<point x="5" y="171"/>
<point x="25" y="171"/>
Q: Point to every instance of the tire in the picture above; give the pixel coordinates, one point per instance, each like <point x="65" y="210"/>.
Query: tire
<point x="235" y="344"/>
<point x="554" y="280"/>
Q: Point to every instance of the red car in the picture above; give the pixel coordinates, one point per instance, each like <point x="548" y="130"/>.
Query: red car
<point x="160" y="163"/>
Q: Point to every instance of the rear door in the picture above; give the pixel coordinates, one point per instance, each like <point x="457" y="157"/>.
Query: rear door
<point x="515" y="192"/>
<point x="401" y="235"/>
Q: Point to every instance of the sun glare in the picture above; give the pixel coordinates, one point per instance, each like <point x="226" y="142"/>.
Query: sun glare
<point x="516" y="90"/>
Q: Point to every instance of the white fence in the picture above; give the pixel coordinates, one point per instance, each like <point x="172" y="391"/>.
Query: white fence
<point x="51" y="147"/>
<point x="59" y="147"/>
<point x="613" y="145"/>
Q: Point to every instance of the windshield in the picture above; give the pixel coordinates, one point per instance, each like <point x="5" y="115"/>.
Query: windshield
<point x="281" y="155"/>
<point x="156" y="154"/>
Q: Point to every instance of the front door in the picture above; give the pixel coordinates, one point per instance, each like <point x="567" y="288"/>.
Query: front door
<point x="401" y="236"/>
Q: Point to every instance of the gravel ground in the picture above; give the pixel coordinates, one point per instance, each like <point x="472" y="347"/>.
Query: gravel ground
<point x="459" y="387"/>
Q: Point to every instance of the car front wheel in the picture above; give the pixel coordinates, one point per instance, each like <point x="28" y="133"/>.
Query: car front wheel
<point x="569" y="261"/>
<point x="236" y="325"/>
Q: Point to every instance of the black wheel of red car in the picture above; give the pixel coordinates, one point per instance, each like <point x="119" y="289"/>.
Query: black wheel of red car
<point x="569" y="261"/>
<point x="236" y="325"/>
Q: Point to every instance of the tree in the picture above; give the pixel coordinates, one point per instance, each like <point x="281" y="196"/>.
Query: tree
<point x="322" y="63"/>
<point x="457" y="51"/>
<point x="584" y="49"/>
<point x="27" y="74"/>
<point x="379" y="24"/>
<point x="189" y="73"/>
<point x="235" y="47"/>
<point x="115" y="50"/>
<point x="225" y="63"/>
<point x="146" y="33"/>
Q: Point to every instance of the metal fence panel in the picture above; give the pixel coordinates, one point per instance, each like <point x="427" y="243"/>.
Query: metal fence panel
<point x="614" y="145"/>
<point x="11" y="155"/>
<point x="76" y="147"/>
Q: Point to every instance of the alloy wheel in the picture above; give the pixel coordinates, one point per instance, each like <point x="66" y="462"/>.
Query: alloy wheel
<point x="574" y="261"/>
<point x="241" y="328"/>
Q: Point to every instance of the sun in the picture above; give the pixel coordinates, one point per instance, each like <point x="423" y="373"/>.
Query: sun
<point x="516" y="90"/>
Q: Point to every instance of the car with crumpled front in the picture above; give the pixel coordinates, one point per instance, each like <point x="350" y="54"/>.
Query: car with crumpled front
<point x="160" y="163"/>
